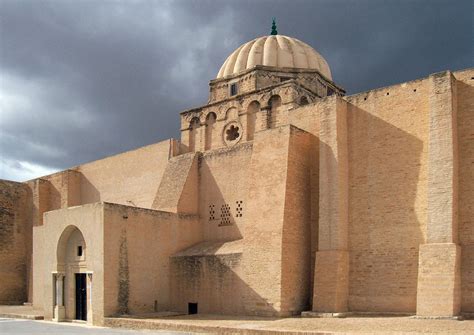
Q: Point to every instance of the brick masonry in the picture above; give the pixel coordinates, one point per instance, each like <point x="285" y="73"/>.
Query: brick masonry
<point x="15" y="236"/>
<point x="358" y="203"/>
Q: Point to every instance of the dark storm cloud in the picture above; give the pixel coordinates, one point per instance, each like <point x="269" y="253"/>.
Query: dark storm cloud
<point x="85" y="79"/>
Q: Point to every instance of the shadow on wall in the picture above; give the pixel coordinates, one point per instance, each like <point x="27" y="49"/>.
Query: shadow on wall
<point x="300" y="225"/>
<point x="15" y="239"/>
<point x="222" y="215"/>
<point x="54" y="196"/>
<point x="387" y="198"/>
<point x="465" y="94"/>
<point x="89" y="193"/>
<point x="212" y="282"/>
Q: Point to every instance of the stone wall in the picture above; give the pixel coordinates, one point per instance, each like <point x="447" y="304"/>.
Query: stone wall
<point x="220" y="90"/>
<point x="263" y="76"/>
<point x="15" y="242"/>
<point x="299" y="223"/>
<point x="131" y="178"/>
<point x="207" y="275"/>
<point x="307" y="119"/>
<point x="196" y="132"/>
<point x="263" y="233"/>
<point x="137" y="253"/>
<point x="465" y="121"/>
<point x="223" y="186"/>
<point x="88" y="219"/>
<point x="331" y="268"/>
<point x="178" y="190"/>
<point x="387" y="146"/>
<point x="266" y="271"/>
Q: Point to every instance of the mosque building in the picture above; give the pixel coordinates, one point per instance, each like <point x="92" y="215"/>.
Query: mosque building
<point x="283" y="196"/>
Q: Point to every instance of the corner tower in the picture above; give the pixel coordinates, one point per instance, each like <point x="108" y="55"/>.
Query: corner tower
<point x="255" y="89"/>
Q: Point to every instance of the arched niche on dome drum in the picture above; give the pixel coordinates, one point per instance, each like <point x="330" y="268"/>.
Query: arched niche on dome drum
<point x="304" y="101"/>
<point x="210" y="125"/>
<point x="232" y="114"/>
<point x="252" y="110"/>
<point x="193" y="133"/>
<point x="274" y="110"/>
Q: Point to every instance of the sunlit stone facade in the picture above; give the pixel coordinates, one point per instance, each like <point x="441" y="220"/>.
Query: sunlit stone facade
<point x="282" y="196"/>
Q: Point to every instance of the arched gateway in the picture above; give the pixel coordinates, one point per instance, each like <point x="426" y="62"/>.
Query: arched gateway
<point x="72" y="282"/>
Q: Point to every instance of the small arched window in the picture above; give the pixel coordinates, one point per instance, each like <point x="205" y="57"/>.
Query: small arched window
<point x="193" y="132"/>
<point x="304" y="101"/>
<point x="273" y="117"/>
<point x="210" y="121"/>
<point x="233" y="89"/>
<point x="252" y="110"/>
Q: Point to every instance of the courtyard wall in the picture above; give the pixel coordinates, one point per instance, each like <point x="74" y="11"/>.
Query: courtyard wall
<point x="15" y="242"/>
<point x="88" y="219"/>
<point x="137" y="249"/>
<point x="387" y="154"/>
<point x="465" y="122"/>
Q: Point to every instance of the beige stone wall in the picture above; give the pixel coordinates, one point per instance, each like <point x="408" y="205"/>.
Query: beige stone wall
<point x="223" y="192"/>
<point x="311" y="81"/>
<point x="137" y="250"/>
<point x="331" y="269"/>
<point x="307" y="119"/>
<point x="15" y="242"/>
<point x="439" y="280"/>
<point x="131" y="178"/>
<point x="178" y="190"/>
<point x="40" y="199"/>
<point x="208" y="274"/>
<point x="88" y="220"/>
<point x="465" y="121"/>
<point x="439" y="275"/>
<point x="263" y="234"/>
<point x="210" y="277"/>
<point x="220" y="90"/>
<point x="387" y="146"/>
<point x="130" y="267"/>
<point x="64" y="189"/>
<point x="299" y="222"/>
<point x="270" y="180"/>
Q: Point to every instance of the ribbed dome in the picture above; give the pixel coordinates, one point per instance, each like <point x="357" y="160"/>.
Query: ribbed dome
<point x="274" y="50"/>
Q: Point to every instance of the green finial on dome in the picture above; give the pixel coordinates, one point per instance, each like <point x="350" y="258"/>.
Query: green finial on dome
<point x="274" y="28"/>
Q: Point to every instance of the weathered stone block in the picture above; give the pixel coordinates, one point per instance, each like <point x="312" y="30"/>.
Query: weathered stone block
<point x="439" y="280"/>
<point x="331" y="281"/>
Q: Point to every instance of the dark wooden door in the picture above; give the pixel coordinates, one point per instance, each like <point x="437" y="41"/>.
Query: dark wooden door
<point x="81" y="296"/>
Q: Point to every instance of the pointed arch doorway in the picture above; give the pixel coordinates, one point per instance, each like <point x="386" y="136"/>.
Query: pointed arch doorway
<point x="72" y="282"/>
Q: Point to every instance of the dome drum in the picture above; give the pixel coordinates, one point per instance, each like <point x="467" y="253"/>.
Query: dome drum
<point x="262" y="76"/>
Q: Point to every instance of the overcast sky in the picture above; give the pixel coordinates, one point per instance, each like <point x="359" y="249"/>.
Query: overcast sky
<point x="81" y="80"/>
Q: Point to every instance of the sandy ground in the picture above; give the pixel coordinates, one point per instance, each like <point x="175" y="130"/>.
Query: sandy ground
<point x="350" y="325"/>
<point x="256" y="325"/>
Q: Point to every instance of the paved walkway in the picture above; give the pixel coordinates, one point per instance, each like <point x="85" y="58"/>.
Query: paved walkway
<point x="21" y="326"/>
